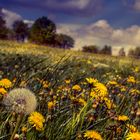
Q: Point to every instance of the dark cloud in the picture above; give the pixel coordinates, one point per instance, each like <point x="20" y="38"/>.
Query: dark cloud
<point x="71" y="7"/>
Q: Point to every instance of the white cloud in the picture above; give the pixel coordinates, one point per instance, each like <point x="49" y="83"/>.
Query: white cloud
<point x="101" y="33"/>
<point x="10" y="17"/>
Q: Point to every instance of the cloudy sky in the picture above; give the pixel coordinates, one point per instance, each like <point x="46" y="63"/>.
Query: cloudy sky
<point x="112" y="22"/>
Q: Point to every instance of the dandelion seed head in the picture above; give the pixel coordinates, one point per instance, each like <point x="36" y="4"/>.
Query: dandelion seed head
<point x="20" y="100"/>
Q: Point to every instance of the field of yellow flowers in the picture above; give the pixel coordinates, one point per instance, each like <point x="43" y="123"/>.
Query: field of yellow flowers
<point x="54" y="94"/>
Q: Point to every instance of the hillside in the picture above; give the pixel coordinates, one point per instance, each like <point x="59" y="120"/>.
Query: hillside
<point x="54" y="94"/>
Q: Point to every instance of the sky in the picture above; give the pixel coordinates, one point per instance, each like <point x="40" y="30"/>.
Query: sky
<point x="89" y="22"/>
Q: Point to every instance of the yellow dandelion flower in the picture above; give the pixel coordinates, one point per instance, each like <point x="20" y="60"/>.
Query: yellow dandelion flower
<point x="93" y="135"/>
<point x="100" y="89"/>
<point x="112" y="83"/>
<point x="24" y="129"/>
<point x="133" y="136"/>
<point x="131" y="128"/>
<point x="122" y="118"/>
<point x="51" y="104"/>
<point x="76" y="88"/>
<point x="82" y="101"/>
<point x="46" y="84"/>
<point x="109" y="103"/>
<point x="91" y="80"/>
<point x="36" y="119"/>
<point x="67" y="81"/>
<point x="5" y="83"/>
<point x="131" y="79"/>
<point x="3" y="91"/>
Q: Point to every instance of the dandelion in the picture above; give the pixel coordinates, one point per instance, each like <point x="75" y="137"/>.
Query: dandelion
<point x="24" y="129"/>
<point x="36" y="119"/>
<point x="131" y="128"/>
<point x="67" y="81"/>
<point x="91" y="80"/>
<point x="5" y="83"/>
<point x="51" y="104"/>
<point x="93" y="135"/>
<point x="122" y="118"/>
<point x="133" y="136"/>
<point x="76" y="88"/>
<point x="20" y="100"/>
<point x="82" y="101"/>
<point x="100" y="89"/>
<point x="131" y="79"/>
<point x="3" y="91"/>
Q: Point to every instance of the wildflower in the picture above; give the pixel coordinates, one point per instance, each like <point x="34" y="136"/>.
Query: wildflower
<point x="76" y="88"/>
<point x="51" y="104"/>
<point x="24" y="129"/>
<point x="82" y="101"/>
<point x="67" y="81"/>
<point x="134" y="91"/>
<point x="93" y="135"/>
<point x="100" y="89"/>
<point x="131" y="79"/>
<point x="5" y="83"/>
<point x="46" y="84"/>
<point x="132" y="128"/>
<point x="3" y="91"/>
<point x="20" y="100"/>
<point x="36" y="119"/>
<point x="91" y="80"/>
<point x="122" y="118"/>
<point x="108" y="103"/>
<point x="133" y="136"/>
<point x="112" y="83"/>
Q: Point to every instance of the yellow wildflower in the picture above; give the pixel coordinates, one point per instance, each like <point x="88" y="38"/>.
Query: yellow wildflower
<point x="112" y="83"/>
<point x="51" y="104"/>
<point x="46" y="84"/>
<point x="100" y="89"/>
<point x="133" y="136"/>
<point x="76" y="88"/>
<point x="67" y="81"/>
<point x="36" y="119"/>
<point x="3" y="91"/>
<point x="131" y="79"/>
<point x="93" y="135"/>
<point x="82" y="101"/>
<point x="91" y="80"/>
<point x="5" y="83"/>
<point x="24" y="129"/>
<point x="122" y="118"/>
<point x="131" y="128"/>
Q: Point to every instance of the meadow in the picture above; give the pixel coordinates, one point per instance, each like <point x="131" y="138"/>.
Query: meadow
<point x="55" y="94"/>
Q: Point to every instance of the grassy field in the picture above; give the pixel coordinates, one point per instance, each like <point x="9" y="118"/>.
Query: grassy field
<point x="55" y="94"/>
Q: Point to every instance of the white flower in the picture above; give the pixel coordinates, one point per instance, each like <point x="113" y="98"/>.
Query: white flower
<point x="20" y="100"/>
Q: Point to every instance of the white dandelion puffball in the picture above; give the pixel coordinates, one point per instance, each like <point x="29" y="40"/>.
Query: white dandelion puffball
<point x="20" y="100"/>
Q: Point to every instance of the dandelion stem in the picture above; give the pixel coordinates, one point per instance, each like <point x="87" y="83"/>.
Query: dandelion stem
<point x="16" y="127"/>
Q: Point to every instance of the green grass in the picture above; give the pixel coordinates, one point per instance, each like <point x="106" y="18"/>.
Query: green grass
<point x="45" y="70"/>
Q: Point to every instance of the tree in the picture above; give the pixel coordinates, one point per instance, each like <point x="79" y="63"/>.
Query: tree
<point x="121" y="52"/>
<point x="106" y="50"/>
<point x="43" y="31"/>
<point x="131" y="52"/>
<point x="21" y="30"/>
<point x="3" y="29"/>
<point x="90" y="49"/>
<point x="64" y="41"/>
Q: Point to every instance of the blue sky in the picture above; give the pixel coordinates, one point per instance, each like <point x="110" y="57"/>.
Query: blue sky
<point x="113" y="22"/>
<point x="119" y="13"/>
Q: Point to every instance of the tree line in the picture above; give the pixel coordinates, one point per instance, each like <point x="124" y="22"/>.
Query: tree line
<point x="43" y="31"/>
